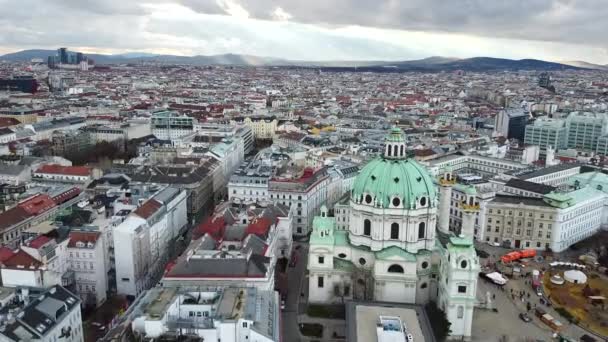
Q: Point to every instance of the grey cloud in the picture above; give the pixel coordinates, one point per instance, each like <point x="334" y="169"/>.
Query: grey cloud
<point x="572" y="21"/>
<point x="127" y="25"/>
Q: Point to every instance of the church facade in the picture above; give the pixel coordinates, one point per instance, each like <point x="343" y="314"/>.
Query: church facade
<point x="384" y="244"/>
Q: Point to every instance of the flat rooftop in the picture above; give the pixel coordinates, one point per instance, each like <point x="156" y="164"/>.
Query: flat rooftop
<point x="157" y="308"/>
<point x="362" y="319"/>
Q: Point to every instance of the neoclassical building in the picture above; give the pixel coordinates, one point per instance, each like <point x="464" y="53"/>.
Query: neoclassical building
<point x="387" y="242"/>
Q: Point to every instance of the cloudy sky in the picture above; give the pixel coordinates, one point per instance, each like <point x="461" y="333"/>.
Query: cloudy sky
<point x="314" y="29"/>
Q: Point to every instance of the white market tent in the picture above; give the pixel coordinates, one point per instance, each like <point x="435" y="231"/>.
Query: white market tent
<point x="497" y="278"/>
<point x="557" y="280"/>
<point x="575" y="277"/>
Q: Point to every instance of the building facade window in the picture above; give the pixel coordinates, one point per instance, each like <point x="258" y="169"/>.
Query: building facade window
<point x="367" y="227"/>
<point x="421" y="230"/>
<point x="395" y="231"/>
<point x="395" y="269"/>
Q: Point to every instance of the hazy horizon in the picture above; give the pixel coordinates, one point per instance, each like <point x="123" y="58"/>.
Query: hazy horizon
<point x="348" y="30"/>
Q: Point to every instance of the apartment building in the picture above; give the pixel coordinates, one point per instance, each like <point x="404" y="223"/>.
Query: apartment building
<point x="87" y="256"/>
<point x="305" y="191"/>
<point x="145" y="240"/>
<point x="52" y="315"/>
<point x="555" y="221"/>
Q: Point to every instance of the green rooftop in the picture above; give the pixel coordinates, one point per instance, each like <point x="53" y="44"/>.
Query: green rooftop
<point x="383" y="179"/>
<point x="461" y="241"/>
<point x="396" y="135"/>
<point x="395" y="251"/>
<point x="323" y="231"/>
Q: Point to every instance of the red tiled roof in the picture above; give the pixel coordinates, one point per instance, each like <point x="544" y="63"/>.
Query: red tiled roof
<point x="22" y="259"/>
<point x="148" y="209"/>
<point x="5" y="253"/>
<point x="215" y="228"/>
<point x="64" y="170"/>
<point x="12" y="217"/>
<point x="39" y="242"/>
<point x="259" y="226"/>
<point x="66" y="195"/>
<point x="84" y="237"/>
<point x="37" y="204"/>
<point x="6" y="122"/>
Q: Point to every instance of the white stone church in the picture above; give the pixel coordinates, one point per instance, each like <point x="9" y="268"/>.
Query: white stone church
<point x="395" y="245"/>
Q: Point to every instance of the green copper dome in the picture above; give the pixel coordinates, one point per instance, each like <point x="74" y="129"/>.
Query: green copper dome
<point x="383" y="180"/>
<point x="394" y="181"/>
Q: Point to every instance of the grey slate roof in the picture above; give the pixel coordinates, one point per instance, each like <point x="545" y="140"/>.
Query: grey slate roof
<point x="12" y="170"/>
<point x="530" y="186"/>
<point x="254" y="266"/>
<point x="518" y="199"/>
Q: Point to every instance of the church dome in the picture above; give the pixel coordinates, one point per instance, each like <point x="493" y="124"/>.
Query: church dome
<point x="394" y="181"/>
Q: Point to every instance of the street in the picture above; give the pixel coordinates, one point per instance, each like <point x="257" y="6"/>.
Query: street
<point x="289" y="317"/>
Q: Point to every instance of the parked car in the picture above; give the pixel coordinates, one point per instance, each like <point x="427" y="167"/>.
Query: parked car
<point x="524" y="317"/>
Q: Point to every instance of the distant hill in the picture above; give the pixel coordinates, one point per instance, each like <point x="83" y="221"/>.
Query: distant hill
<point x="27" y="55"/>
<point x="586" y="65"/>
<point x="430" y="64"/>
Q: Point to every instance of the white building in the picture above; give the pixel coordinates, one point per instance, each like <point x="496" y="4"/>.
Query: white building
<point x="15" y="174"/>
<point x="249" y="184"/>
<point x="230" y="155"/>
<point x="144" y="240"/>
<point x="168" y="125"/>
<point x="472" y="163"/>
<point x="556" y="221"/>
<point x="228" y="315"/>
<point x="7" y="135"/>
<point x="69" y="174"/>
<point x="87" y="259"/>
<point x="391" y="250"/>
<point x="305" y="192"/>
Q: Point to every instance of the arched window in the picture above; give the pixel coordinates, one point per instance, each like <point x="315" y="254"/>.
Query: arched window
<point x="390" y="149"/>
<point x="423" y="286"/>
<point x="463" y="264"/>
<point x="421" y="230"/>
<point x="367" y="227"/>
<point x="368" y="199"/>
<point x="423" y="201"/>
<point x="395" y="269"/>
<point x="402" y="150"/>
<point x="396" y="202"/>
<point x="395" y="231"/>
